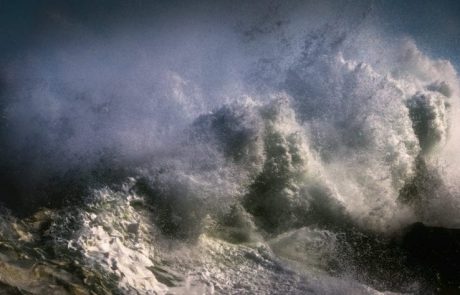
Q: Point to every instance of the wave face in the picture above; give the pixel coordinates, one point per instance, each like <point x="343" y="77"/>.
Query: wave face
<point x="280" y="155"/>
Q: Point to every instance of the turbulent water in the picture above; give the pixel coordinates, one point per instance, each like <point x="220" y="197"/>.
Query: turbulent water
<point x="273" y="156"/>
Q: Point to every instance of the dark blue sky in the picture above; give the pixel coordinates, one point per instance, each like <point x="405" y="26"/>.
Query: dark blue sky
<point x="435" y="25"/>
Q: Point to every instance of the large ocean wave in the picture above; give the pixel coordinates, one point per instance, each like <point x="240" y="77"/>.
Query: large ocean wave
<point x="288" y="163"/>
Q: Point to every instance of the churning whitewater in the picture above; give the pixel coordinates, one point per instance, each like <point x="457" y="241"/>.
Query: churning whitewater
<point x="272" y="157"/>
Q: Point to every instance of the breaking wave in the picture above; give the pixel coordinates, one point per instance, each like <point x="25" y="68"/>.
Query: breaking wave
<point x="292" y="178"/>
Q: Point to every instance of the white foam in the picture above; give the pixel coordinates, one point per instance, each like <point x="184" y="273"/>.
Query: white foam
<point x="118" y="238"/>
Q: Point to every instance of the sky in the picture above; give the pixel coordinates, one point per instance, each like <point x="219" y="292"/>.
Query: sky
<point x="435" y="25"/>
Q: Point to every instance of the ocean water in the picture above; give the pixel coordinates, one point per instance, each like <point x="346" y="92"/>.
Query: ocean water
<point x="280" y="155"/>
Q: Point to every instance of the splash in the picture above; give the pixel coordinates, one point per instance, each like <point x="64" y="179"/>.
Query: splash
<point x="280" y="165"/>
